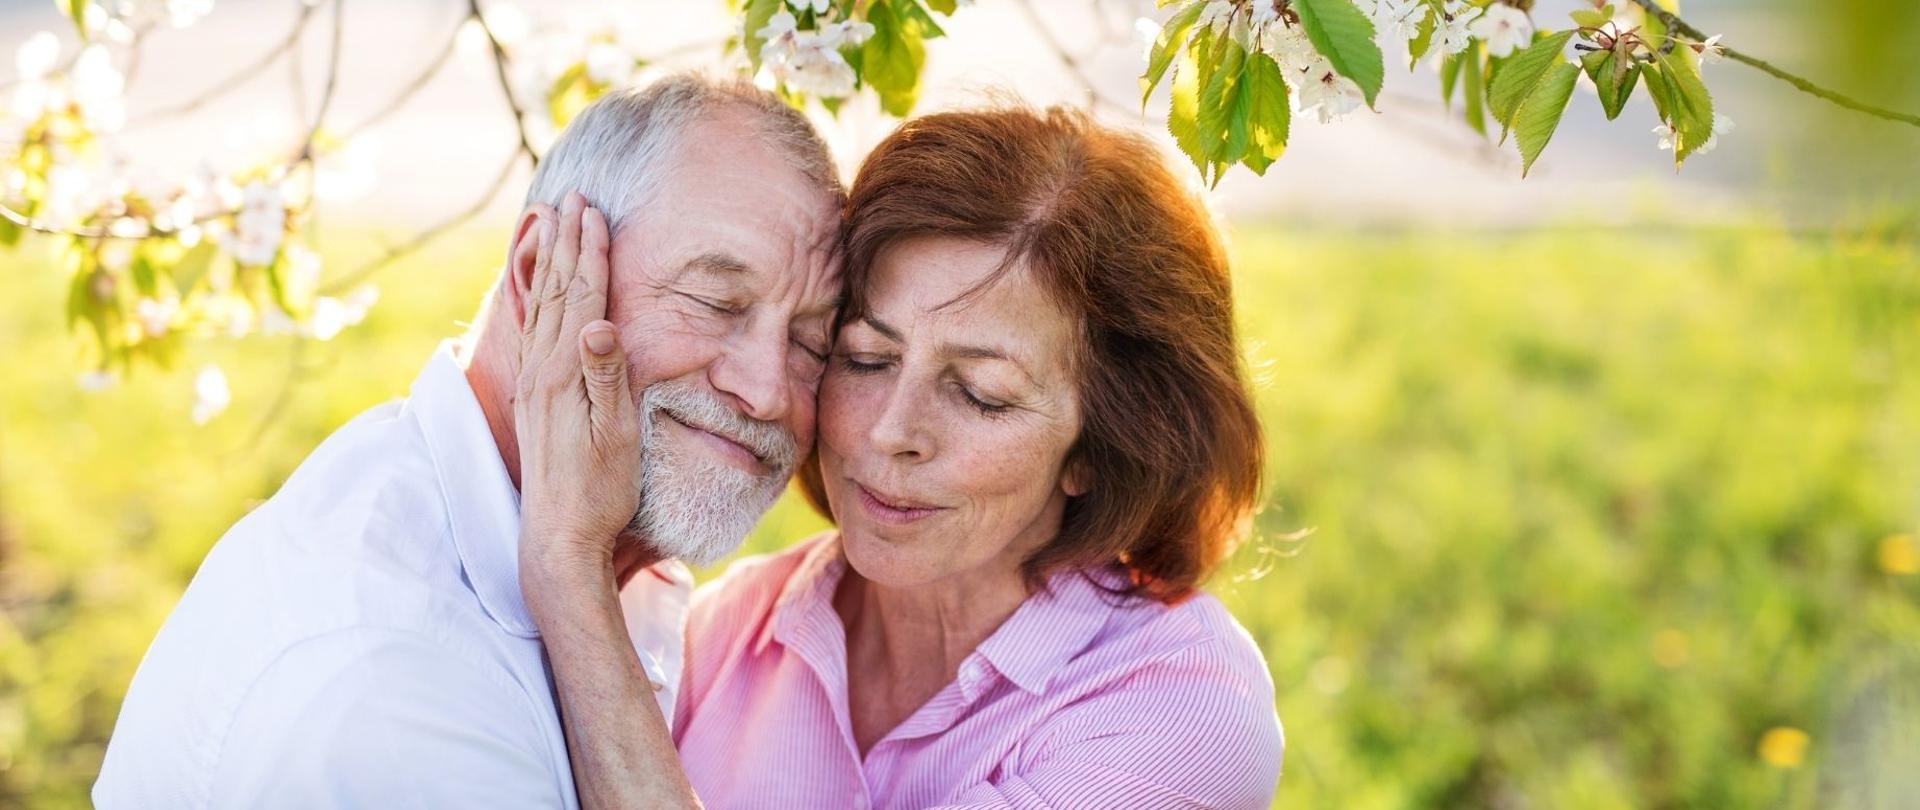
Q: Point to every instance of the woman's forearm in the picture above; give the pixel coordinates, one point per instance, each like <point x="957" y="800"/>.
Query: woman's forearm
<point x="621" y="750"/>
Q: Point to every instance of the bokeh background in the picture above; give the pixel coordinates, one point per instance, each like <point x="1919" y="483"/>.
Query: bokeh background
<point x="1594" y="490"/>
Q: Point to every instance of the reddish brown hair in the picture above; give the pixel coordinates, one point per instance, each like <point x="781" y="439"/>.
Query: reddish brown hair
<point x="1169" y="435"/>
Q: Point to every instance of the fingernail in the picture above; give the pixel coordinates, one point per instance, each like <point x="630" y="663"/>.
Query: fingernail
<point x="599" y="340"/>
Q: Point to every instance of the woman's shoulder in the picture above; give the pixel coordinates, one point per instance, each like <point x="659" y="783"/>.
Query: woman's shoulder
<point x="1143" y="631"/>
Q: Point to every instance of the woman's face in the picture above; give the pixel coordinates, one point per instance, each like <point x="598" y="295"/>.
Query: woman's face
<point x="944" y="424"/>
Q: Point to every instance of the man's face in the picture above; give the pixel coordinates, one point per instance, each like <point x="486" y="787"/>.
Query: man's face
<point x="723" y="289"/>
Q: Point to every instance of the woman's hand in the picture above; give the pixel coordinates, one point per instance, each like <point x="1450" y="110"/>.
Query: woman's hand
<point x="574" y="414"/>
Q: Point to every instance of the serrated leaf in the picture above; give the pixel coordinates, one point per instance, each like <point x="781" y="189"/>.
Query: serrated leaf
<point x="1165" y="46"/>
<point x="1221" y="140"/>
<point x="1344" y="35"/>
<point x="1540" y="112"/>
<point x="1614" y="77"/>
<point x="1183" y="118"/>
<point x="1520" y="74"/>
<point x="917" y="17"/>
<point x="1689" y="105"/>
<point x="1268" y="116"/>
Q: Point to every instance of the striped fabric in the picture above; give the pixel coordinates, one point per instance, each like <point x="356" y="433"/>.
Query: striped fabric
<point x="1078" y="700"/>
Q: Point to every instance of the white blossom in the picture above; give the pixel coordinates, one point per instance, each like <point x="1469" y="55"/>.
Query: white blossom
<point x="1332" y="94"/>
<point x="331" y="315"/>
<point x="259" y="226"/>
<point x="1290" y="49"/>
<point x="810" y="61"/>
<point x="1399" y="19"/>
<point x="37" y="56"/>
<point x="818" y="6"/>
<point x="1504" y="28"/>
<point x="95" y="381"/>
<point x="1451" y="28"/>
<point x="1711" y="50"/>
<point x="1721" y="125"/>
<point x="155" y="315"/>
<point x="96" y="86"/>
<point x="607" y="63"/>
<point x="182" y="13"/>
<point x="211" y="395"/>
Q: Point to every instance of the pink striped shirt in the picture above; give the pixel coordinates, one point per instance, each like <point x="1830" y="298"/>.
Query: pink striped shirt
<point x="1078" y="700"/>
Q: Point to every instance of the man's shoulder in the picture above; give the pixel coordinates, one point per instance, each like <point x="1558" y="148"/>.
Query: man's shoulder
<point x="754" y="583"/>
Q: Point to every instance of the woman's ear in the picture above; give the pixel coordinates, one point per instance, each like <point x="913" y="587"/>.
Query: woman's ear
<point x="1076" y="480"/>
<point x="523" y="254"/>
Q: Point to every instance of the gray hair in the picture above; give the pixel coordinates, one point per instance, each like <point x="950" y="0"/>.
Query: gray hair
<point x="615" y="151"/>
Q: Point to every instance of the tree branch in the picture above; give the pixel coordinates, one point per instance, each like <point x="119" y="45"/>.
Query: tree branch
<point x="421" y="239"/>
<point x="414" y="87"/>
<point x="1674" y="23"/>
<point x="506" y="85"/>
<point x="239" y="77"/>
<point x="1095" y="99"/>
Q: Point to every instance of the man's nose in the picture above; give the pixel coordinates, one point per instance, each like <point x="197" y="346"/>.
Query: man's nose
<point x="754" y="370"/>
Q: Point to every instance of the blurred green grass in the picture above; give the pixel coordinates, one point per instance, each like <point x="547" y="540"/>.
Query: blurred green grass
<point x="1591" y="511"/>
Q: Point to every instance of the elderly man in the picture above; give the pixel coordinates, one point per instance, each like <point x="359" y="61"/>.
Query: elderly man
<point x="361" y="639"/>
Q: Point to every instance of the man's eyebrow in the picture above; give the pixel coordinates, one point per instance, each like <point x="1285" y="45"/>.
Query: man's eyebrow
<point x="716" y="263"/>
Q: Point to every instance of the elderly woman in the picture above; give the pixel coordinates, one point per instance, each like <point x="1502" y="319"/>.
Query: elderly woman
<point x="1036" y="442"/>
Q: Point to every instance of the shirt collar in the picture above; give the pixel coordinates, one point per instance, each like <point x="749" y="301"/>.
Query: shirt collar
<point x="483" y="507"/>
<point x="1050" y="628"/>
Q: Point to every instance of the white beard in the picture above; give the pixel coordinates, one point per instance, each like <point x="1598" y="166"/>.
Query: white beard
<point x="694" y="508"/>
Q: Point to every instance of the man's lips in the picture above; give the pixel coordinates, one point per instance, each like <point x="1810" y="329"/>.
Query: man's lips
<point x="727" y="443"/>
<point x="887" y="508"/>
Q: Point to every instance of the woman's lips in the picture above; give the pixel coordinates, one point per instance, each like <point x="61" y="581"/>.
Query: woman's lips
<point x="885" y="509"/>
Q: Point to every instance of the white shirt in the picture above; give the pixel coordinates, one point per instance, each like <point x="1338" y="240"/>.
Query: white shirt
<point x="360" y="640"/>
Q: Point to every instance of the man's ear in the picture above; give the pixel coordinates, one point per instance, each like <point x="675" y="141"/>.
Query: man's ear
<point x="523" y="254"/>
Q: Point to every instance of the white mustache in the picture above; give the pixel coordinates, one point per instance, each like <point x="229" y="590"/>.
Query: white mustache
<point x="701" y="409"/>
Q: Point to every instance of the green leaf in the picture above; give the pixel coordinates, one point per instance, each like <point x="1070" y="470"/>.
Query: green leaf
<point x="1540" y="112"/>
<point x="943" y="6"/>
<point x="1222" y="126"/>
<point x="76" y="10"/>
<point x="892" y="59"/>
<point x="192" y="267"/>
<point x="1342" y="34"/>
<point x="1165" y="47"/>
<point x="756" y="17"/>
<point x="1689" y="106"/>
<point x="1417" y="47"/>
<point x="1183" y="119"/>
<point x="1473" y="89"/>
<point x="1592" y="17"/>
<point x="1267" y="114"/>
<point x="917" y="17"/>
<point x="9" y="232"/>
<point x="1614" y="76"/>
<point x="1521" y="73"/>
<point x="1449" y="77"/>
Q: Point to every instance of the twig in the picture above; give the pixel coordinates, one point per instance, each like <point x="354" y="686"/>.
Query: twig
<point x="1071" y="62"/>
<point x="239" y="77"/>
<point x="413" y="88"/>
<point x="333" y="79"/>
<point x="506" y="85"/>
<point x="1674" y="23"/>
<point x="421" y="239"/>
